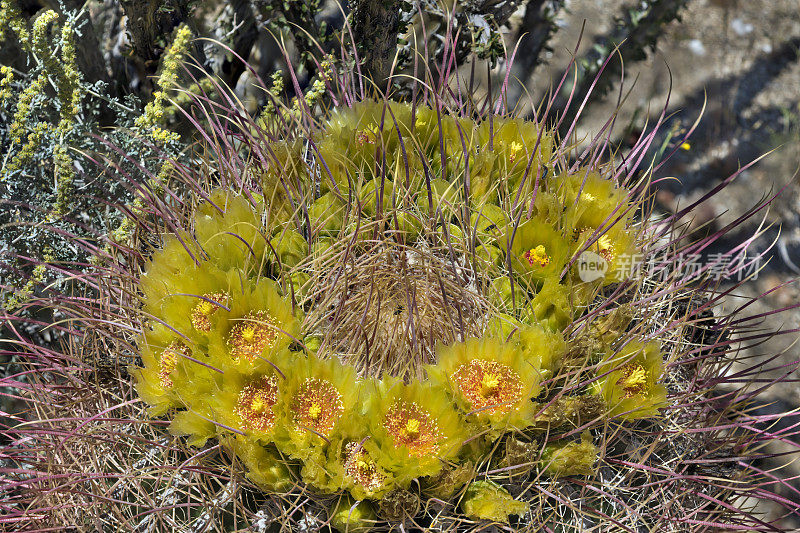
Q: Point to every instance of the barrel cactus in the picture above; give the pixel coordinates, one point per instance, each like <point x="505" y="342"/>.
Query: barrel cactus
<point x="431" y="315"/>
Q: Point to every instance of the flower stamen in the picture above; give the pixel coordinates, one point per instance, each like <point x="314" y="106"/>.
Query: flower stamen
<point x="365" y="136"/>
<point x="634" y="380"/>
<point x="603" y="246"/>
<point x="360" y="467"/>
<point x="251" y="336"/>
<point x="317" y="405"/>
<point x="489" y="386"/>
<point x="254" y="405"/>
<point x="537" y="256"/>
<point x="412" y="426"/>
<point x="202" y="311"/>
<point x="169" y="361"/>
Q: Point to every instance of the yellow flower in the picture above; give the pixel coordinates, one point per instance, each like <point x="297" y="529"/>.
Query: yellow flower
<point x="517" y="143"/>
<point x="259" y="324"/>
<point x="599" y="215"/>
<point x="413" y="427"/>
<point x="629" y="381"/>
<point x="351" y="459"/>
<point x="486" y="500"/>
<point x="165" y="369"/>
<point x="204" y="309"/>
<point x="490" y="380"/>
<point x="410" y="425"/>
<point x="193" y="299"/>
<point x="593" y="200"/>
<point x="317" y="406"/>
<point x="488" y="385"/>
<point x="362" y="469"/>
<point x="615" y="247"/>
<point x="318" y="395"/>
<point x="168" y="361"/>
<point x="538" y="252"/>
<point x="355" y="141"/>
<point x="251" y="402"/>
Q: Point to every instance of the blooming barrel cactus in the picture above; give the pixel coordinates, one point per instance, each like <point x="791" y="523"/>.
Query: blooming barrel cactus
<point x="406" y="310"/>
<point x="418" y="315"/>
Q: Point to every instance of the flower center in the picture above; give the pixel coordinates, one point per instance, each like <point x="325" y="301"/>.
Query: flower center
<point x="538" y="256"/>
<point x="259" y="404"/>
<point x="365" y="136"/>
<point x="254" y="405"/>
<point x="248" y="333"/>
<point x="603" y="246"/>
<point x="205" y="308"/>
<point x="360" y="467"/>
<point x="202" y="311"/>
<point x="489" y="386"/>
<point x="606" y="247"/>
<point x="412" y="426"/>
<point x="251" y="336"/>
<point x="317" y="405"/>
<point x="634" y="380"/>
